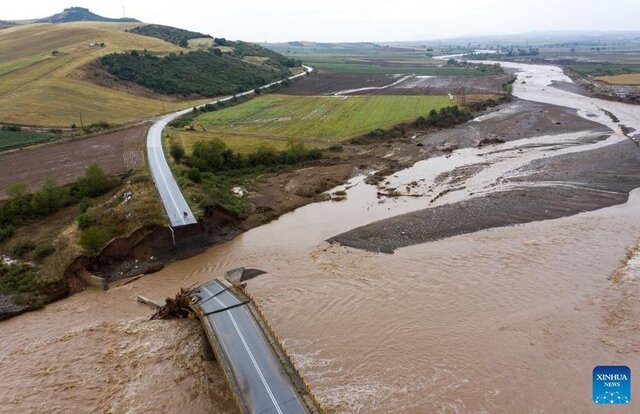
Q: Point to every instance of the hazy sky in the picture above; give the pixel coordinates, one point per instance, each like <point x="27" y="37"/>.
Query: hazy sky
<point x="360" y="20"/>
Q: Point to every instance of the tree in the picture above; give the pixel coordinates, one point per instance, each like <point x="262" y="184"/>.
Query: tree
<point x="94" y="182"/>
<point x="49" y="198"/>
<point x="18" y="200"/>
<point x="177" y="152"/>
<point x="208" y="155"/>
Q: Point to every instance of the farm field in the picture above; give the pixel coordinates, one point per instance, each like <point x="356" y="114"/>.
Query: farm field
<point x="318" y="121"/>
<point x="38" y="87"/>
<point x="628" y="79"/>
<point x="13" y="139"/>
<point x="115" y="152"/>
<point x="390" y="67"/>
<point x="605" y="69"/>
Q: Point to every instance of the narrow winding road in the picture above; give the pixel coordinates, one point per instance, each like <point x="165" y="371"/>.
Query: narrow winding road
<point x="175" y="205"/>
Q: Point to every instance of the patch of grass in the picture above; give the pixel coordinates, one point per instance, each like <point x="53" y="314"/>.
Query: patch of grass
<point x="43" y="250"/>
<point x="14" y="139"/>
<point x="318" y="121"/>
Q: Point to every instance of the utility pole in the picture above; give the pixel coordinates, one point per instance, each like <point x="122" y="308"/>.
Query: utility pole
<point x="163" y="111"/>
<point x="81" y="124"/>
<point x="123" y="12"/>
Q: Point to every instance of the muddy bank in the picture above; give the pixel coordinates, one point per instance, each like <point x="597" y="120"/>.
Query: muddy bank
<point x="516" y="120"/>
<point x="599" y="89"/>
<point x="552" y="188"/>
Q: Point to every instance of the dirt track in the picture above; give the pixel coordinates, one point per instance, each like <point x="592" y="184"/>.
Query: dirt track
<point x="115" y="152"/>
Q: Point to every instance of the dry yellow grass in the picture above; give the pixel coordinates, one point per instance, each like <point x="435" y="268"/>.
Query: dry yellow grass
<point x="628" y="79"/>
<point x="201" y="43"/>
<point x="37" y="88"/>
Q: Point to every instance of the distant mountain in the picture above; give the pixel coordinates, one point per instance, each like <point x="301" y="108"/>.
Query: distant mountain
<point x="4" y="24"/>
<point x="80" y="14"/>
<point x="530" y="38"/>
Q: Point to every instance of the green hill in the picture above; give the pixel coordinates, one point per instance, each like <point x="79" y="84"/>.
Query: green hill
<point x="170" y="34"/>
<point x="194" y="74"/>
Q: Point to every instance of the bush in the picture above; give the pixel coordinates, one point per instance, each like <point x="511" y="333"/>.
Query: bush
<point x="177" y="152"/>
<point x="5" y="233"/>
<point x="208" y="155"/>
<point x="12" y="128"/>
<point x="49" y="198"/>
<point x="84" y="204"/>
<point x="86" y="219"/>
<point x="194" y="175"/>
<point x="95" y="182"/>
<point x="94" y="238"/>
<point x="20" y="278"/>
<point x="43" y="250"/>
<point x="23" y="247"/>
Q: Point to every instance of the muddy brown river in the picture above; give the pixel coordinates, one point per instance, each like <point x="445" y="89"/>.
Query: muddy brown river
<point x="505" y="320"/>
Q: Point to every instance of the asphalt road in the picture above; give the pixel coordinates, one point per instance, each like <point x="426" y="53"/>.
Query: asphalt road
<point x="174" y="202"/>
<point x="263" y="383"/>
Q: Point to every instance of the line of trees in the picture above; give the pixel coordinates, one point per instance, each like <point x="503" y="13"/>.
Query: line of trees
<point x="50" y="197"/>
<point x="214" y="156"/>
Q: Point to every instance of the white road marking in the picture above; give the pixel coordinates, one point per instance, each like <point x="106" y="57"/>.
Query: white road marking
<point x="246" y="347"/>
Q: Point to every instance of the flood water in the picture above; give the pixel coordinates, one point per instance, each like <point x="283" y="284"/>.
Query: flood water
<point x="507" y="320"/>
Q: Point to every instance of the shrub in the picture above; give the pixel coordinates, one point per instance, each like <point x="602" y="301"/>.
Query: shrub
<point x="5" y="233"/>
<point x="95" y="182"/>
<point x="86" y="219"/>
<point x="84" y="205"/>
<point x="94" y="238"/>
<point x="23" y="247"/>
<point x="49" y="198"/>
<point x="20" y="278"/>
<point x="208" y="155"/>
<point x="177" y="152"/>
<point x="43" y="250"/>
<point x="194" y="175"/>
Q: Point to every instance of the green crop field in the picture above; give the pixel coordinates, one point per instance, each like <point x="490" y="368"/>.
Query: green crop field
<point x="319" y="121"/>
<point x="13" y="139"/>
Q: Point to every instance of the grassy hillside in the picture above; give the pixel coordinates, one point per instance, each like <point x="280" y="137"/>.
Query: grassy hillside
<point x="40" y="87"/>
<point x="319" y="121"/>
